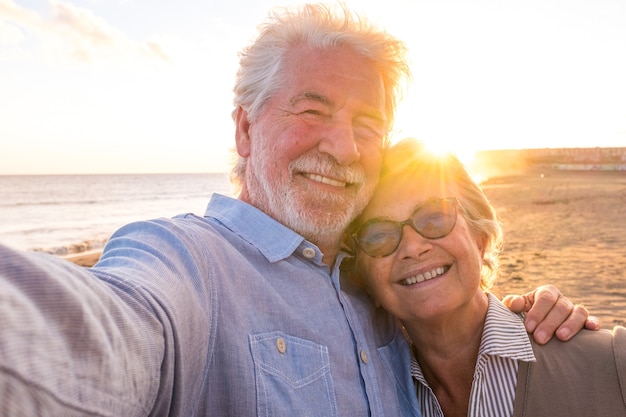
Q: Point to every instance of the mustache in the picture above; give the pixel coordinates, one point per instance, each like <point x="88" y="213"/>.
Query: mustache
<point x="326" y="166"/>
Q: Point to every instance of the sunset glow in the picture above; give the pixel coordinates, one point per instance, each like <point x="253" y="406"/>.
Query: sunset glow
<point x="144" y="86"/>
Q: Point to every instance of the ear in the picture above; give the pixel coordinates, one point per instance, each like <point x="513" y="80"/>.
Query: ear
<point x="242" y="132"/>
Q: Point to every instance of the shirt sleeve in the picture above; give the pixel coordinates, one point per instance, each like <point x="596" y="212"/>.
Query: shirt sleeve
<point x="72" y="344"/>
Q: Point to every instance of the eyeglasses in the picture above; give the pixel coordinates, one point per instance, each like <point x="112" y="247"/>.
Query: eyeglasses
<point x="433" y="220"/>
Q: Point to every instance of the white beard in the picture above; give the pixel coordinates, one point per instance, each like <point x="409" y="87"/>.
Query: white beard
<point x="321" y="217"/>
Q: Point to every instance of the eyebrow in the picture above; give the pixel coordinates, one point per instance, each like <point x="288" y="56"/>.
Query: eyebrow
<point x="306" y="96"/>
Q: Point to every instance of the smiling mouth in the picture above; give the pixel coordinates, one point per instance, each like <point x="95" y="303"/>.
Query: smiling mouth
<point x="325" y="180"/>
<point x="425" y="276"/>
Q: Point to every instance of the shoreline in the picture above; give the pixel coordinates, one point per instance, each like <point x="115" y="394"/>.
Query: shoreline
<point x="87" y="259"/>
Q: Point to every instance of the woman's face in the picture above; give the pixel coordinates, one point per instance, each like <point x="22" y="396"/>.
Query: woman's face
<point x="423" y="278"/>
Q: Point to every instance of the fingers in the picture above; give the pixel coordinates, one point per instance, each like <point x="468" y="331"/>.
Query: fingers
<point x="515" y="303"/>
<point x="549" y="313"/>
<point x="540" y="302"/>
<point x="573" y="323"/>
<point x="593" y="323"/>
<point x="553" y="314"/>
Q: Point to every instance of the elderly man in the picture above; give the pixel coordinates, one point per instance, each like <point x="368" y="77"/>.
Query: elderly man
<point x="240" y="312"/>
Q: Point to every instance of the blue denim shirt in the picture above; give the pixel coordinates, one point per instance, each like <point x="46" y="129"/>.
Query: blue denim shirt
<point x="232" y="314"/>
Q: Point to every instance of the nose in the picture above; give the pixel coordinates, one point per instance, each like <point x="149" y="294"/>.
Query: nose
<point x="339" y="142"/>
<point x="412" y="244"/>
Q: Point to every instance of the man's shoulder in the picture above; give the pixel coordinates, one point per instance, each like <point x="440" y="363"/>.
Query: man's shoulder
<point x="581" y="377"/>
<point x="589" y="353"/>
<point x="587" y="340"/>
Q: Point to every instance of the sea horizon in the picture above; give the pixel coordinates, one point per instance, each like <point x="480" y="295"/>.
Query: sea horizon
<point x="65" y="214"/>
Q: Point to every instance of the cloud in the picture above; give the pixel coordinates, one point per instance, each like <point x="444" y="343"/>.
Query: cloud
<point x="153" y="48"/>
<point x="10" y="34"/>
<point x="81" y="24"/>
<point x="75" y="32"/>
<point x="12" y="15"/>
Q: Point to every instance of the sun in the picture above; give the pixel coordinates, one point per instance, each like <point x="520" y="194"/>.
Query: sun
<point x="465" y="150"/>
<point x="465" y="153"/>
<point x="439" y="148"/>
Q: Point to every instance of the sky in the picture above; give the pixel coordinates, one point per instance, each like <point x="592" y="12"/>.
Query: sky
<point x="145" y="86"/>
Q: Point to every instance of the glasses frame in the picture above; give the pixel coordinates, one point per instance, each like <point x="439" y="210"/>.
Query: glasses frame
<point x="409" y="221"/>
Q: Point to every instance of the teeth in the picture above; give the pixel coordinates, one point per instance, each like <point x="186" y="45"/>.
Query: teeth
<point x="423" y="277"/>
<point x="325" y="180"/>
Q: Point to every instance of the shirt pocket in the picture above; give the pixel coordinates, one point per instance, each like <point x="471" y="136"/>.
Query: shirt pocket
<point x="292" y="376"/>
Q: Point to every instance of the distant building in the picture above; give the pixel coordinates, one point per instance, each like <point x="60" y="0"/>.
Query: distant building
<point x="572" y="159"/>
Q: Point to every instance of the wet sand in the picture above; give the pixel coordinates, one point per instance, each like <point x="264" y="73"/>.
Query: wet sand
<point x="567" y="229"/>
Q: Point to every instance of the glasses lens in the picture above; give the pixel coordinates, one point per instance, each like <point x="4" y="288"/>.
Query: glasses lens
<point x="435" y="219"/>
<point x="379" y="238"/>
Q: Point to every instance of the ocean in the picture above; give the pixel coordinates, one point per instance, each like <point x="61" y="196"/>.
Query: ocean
<point x="65" y="214"/>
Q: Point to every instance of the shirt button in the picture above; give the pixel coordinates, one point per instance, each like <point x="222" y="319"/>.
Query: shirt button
<point x="363" y="356"/>
<point x="309" y="253"/>
<point x="281" y="345"/>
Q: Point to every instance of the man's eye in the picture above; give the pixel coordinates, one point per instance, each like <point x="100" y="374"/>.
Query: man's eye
<point x="369" y="133"/>
<point x="369" y="129"/>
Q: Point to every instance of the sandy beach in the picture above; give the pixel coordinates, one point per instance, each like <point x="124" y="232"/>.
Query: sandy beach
<point x="562" y="228"/>
<point x="85" y="258"/>
<point x="567" y="229"/>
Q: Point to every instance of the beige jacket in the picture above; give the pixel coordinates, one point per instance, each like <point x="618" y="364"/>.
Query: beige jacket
<point x="583" y="377"/>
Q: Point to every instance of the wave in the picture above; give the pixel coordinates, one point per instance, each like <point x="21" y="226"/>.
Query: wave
<point x="52" y="203"/>
<point x="102" y="200"/>
<point x="74" y="248"/>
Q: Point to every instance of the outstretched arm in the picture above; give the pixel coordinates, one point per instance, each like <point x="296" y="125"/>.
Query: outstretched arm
<point x="549" y="312"/>
<point x="72" y="345"/>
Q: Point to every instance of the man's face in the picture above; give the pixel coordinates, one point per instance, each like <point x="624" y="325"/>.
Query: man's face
<point x="314" y="152"/>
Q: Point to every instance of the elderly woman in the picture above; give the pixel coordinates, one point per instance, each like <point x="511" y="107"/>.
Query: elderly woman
<point x="427" y="250"/>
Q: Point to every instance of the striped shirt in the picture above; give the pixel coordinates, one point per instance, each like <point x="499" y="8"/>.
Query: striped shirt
<point x="504" y="342"/>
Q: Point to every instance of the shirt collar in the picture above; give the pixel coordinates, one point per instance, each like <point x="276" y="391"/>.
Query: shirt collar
<point x="504" y="333"/>
<point x="274" y="240"/>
